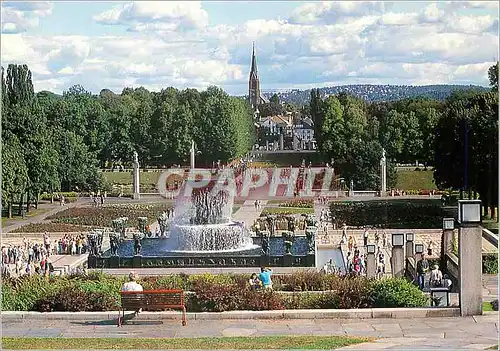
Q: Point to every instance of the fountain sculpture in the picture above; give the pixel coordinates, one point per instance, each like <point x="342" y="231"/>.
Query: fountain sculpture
<point x="203" y="223"/>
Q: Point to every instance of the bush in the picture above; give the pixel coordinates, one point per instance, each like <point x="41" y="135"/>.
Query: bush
<point x="68" y="196"/>
<point x="323" y="300"/>
<point x="389" y="214"/>
<point x="396" y="292"/>
<point x="494" y="305"/>
<point x="490" y="263"/>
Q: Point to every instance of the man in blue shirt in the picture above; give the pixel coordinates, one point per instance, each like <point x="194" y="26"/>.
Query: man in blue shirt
<point x="265" y="278"/>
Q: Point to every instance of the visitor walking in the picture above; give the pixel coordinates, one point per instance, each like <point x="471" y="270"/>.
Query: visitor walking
<point x="365" y="237"/>
<point x="430" y="248"/>
<point x="422" y="269"/>
<point x="384" y="239"/>
<point x="344" y="234"/>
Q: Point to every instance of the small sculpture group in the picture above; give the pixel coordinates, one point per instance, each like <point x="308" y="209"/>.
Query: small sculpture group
<point x="94" y="239"/>
<point x="163" y="224"/>
<point x="138" y="236"/>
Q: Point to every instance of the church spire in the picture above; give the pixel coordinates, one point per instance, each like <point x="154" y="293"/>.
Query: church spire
<point x="253" y="68"/>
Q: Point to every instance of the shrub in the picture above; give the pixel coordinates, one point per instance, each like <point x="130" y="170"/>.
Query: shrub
<point x="490" y="263"/>
<point x="494" y="305"/>
<point x="353" y="292"/>
<point x="212" y="297"/>
<point x="389" y="214"/>
<point x="306" y="280"/>
<point x="299" y="203"/>
<point x="396" y="292"/>
<point x="322" y="300"/>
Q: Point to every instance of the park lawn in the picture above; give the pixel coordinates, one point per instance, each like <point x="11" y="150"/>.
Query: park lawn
<point x="34" y="212"/>
<point x="125" y="178"/>
<point x="262" y="342"/>
<point x="290" y="210"/>
<point x="415" y="180"/>
<point x="236" y="208"/>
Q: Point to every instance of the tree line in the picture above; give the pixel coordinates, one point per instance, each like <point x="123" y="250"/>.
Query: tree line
<point x="458" y="136"/>
<point x="59" y="143"/>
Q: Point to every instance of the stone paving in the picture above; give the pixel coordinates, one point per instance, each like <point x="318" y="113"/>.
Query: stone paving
<point x="476" y="332"/>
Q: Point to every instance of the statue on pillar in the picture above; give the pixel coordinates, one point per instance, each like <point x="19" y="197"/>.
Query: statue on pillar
<point x="383" y="174"/>
<point x="136" y="158"/>
<point x="138" y="236"/>
<point x="310" y="236"/>
<point x="114" y="239"/>
<point x="289" y="238"/>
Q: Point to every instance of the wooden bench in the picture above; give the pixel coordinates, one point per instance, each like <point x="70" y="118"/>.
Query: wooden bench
<point x="152" y="300"/>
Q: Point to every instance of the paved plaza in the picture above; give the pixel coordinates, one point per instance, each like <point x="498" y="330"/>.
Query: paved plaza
<point x="462" y="333"/>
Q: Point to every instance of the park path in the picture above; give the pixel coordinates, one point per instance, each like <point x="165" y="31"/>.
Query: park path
<point x="247" y="213"/>
<point x="14" y="224"/>
<point x="476" y="332"/>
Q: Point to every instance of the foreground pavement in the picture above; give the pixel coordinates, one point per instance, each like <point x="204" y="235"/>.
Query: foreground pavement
<point x="463" y="333"/>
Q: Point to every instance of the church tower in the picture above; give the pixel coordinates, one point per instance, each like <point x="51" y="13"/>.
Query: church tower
<point x="253" y="83"/>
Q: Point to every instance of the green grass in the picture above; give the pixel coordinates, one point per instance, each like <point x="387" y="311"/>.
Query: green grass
<point x="33" y="213"/>
<point x="415" y="180"/>
<point x="262" y="342"/>
<point x="290" y="210"/>
<point x="236" y="208"/>
<point x="487" y="306"/>
<point x="494" y="347"/>
<point x="125" y="178"/>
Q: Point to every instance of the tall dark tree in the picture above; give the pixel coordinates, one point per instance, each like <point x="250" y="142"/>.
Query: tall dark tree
<point x="493" y="76"/>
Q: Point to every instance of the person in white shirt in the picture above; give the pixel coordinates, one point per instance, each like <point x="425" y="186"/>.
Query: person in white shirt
<point x="436" y="279"/>
<point x="132" y="284"/>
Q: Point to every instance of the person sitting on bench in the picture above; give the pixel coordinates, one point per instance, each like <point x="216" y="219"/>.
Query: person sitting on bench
<point x="132" y="285"/>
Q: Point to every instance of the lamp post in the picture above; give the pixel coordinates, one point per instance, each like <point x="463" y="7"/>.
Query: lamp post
<point x="398" y="256"/>
<point x="371" y="262"/>
<point x="409" y="252"/>
<point x="470" y="257"/>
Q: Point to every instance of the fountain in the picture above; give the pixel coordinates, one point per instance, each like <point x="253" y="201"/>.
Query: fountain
<point x="202" y="223"/>
<point x="201" y="233"/>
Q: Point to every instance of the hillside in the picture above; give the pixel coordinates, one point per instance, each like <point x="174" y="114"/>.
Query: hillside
<point x="376" y="92"/>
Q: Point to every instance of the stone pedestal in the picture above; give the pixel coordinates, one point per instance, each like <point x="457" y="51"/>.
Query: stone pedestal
<point x="192" y="154"/>
<point x="383" y="175"/>
<point x="114" y="262"/>
<point x="398" y="261"/>
<point x="282" y="142"/>
<point x="136" y="181"/>
<point x="287" y="260"/>
<point x="470" y="263"/>
<point x="371" y="265"/>
<point x="137" y="261"/>
<point x="264" y="260"/>
<point x="311" y="260"/>
<point x="92" y="262"/>
<point x="410" y="249"/>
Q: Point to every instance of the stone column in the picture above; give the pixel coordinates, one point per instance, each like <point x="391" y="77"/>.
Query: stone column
<point x="136" y="181"/>
<point x="383" y="175"/>
<point x="470" y="263"/>
<point x="447" y="240"/>
<point x="371" y="265"/>
<point x="192" y="153"/>
<point x="398" y="261"/>
<point x="409" y="252"/>
<point x="281" y="142"/>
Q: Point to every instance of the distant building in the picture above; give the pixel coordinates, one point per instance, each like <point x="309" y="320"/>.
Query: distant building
<point x="304" y="134"/>
<point x="255" y="96"/>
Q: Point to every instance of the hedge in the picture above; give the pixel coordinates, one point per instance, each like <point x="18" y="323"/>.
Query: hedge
<point x="490" y="263"/>
<point x="408" y="214"/>
<point x="208" y="292"/>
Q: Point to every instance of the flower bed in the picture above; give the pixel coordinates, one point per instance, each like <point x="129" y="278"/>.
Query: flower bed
<point x="51" y="228"/>
<point x="285" y="211"/>
<point x="102" y="216"/>
<point x="299" y="203"/>
<point x="216" y="293"/>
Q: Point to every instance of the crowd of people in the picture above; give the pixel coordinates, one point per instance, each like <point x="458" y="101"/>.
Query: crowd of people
<point x="33" y="256"/>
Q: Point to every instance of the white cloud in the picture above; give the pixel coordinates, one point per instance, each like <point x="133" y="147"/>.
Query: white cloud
<point x="18" y="17"/>
<point x="321" y="43"/>
<point x="162" y="16"/>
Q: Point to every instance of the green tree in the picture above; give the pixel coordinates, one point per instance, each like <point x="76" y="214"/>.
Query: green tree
<point x="14" y="170"/>
<point x="493" y="76"/>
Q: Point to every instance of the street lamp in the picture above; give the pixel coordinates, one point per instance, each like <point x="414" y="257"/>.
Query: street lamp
<point x="448" y="223"/>
<point x="469" y="212"/>
<point x="398" y="240"/>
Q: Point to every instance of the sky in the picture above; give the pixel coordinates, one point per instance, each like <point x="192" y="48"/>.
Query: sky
<point x="299" y="45"/>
